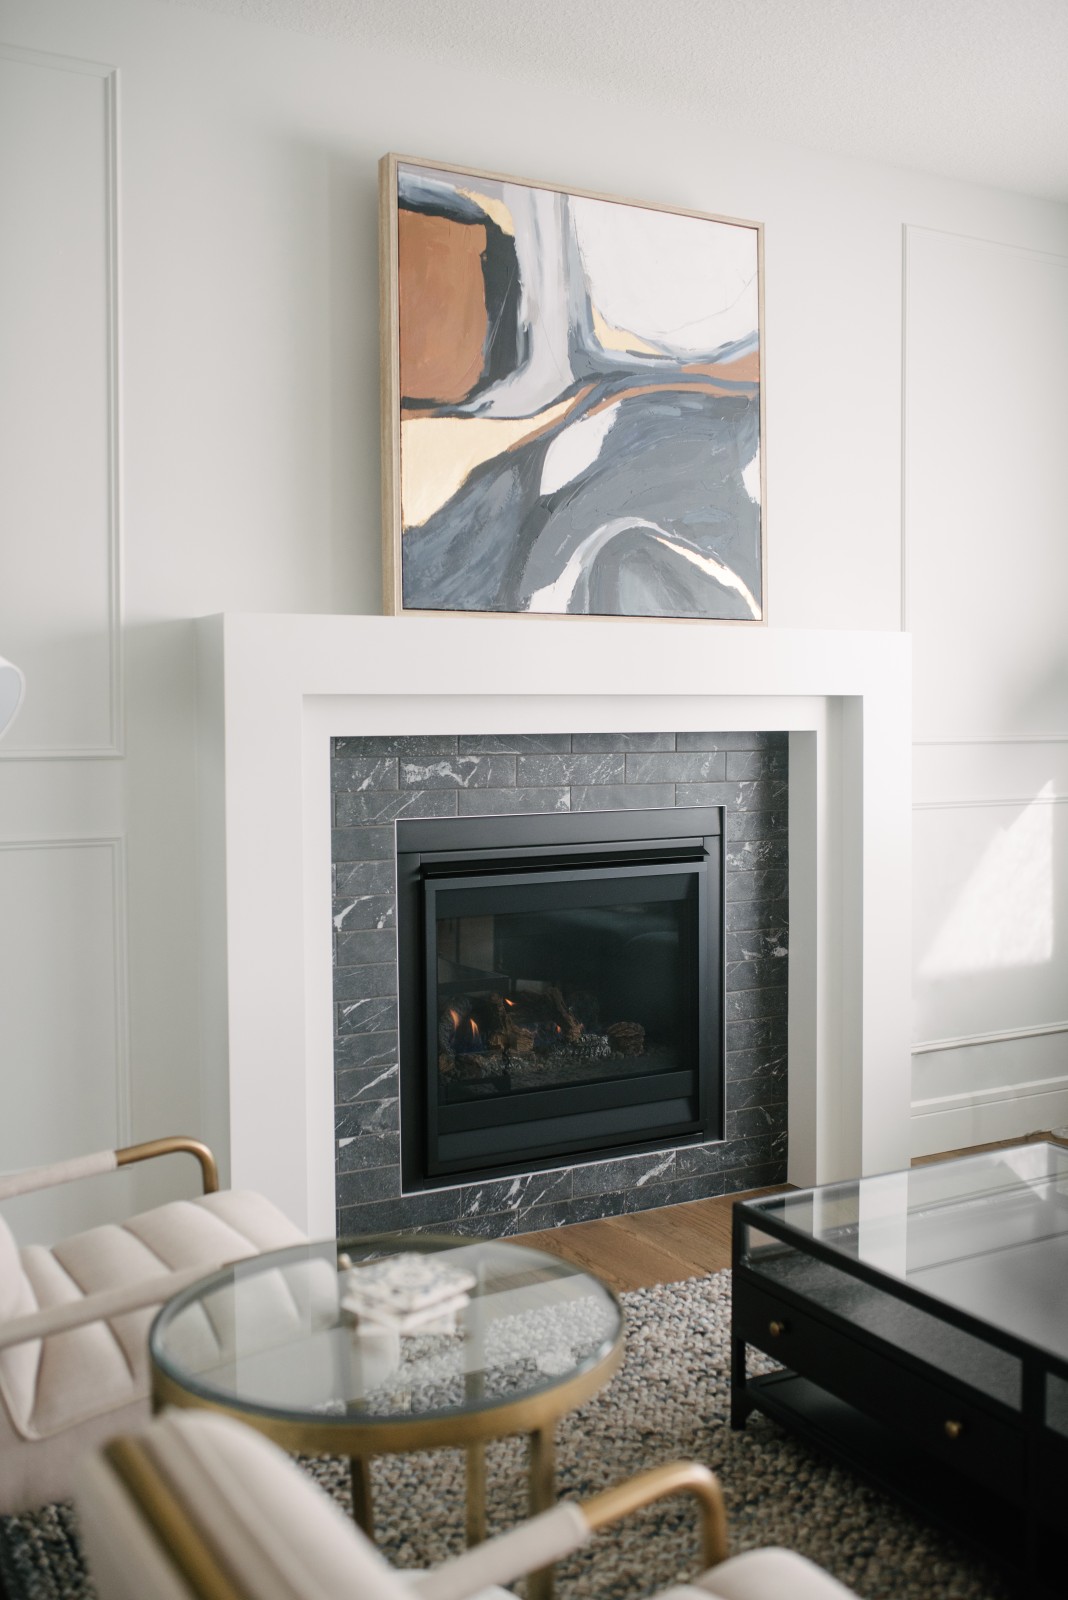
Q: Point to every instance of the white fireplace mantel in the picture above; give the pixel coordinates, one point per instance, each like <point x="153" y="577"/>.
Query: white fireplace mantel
<point x="276" y="689"/>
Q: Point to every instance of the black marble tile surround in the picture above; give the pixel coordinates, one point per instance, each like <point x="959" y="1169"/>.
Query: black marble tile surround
<point x="376" y="780"/>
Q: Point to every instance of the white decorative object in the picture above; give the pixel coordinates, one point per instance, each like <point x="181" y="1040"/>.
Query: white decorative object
<point x="555" y="1363"/>
<point x="408" y="1292"/>
<point x="12" y="688"/>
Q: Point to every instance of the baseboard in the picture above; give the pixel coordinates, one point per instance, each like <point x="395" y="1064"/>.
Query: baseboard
<point x="955" y="1122"/>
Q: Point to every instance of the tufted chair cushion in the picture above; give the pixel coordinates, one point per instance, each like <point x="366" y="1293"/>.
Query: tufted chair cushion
<point x="83" y="1378"/>
<point x="18" y="1366"/>
<point x="263" y="1518"/>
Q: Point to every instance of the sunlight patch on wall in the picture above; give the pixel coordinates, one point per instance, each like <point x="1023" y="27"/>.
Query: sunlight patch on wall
<point x="1003" y="916"/>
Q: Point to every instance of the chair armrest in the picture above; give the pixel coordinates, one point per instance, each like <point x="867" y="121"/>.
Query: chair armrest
<point x="101" y="1306"/>
<point x="530" y="1545"/>
<point x="676" y="1477"/>
<point x="554" y="1534"/>
<point x="47" y="1177"/>
<point x="209" y="1171"/>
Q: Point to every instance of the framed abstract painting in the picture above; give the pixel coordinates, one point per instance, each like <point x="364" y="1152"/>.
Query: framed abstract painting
<point x="572" y="402"/>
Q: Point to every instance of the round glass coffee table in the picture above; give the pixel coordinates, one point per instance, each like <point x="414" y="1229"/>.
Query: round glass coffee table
<point x="268" y="1340"/>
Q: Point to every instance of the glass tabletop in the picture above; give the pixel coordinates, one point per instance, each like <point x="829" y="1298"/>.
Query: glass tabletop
<point x="301" y="1334"/>
<point x="987" y="1234"/>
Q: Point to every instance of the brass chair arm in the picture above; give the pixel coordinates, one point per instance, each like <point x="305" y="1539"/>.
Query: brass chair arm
<point x="209" y="1170"/>
<point x="31" y="1180"/>
<point x="677" y="1477"/>
<point x="566" y="1527"/>
<point x="170" y="1522"/>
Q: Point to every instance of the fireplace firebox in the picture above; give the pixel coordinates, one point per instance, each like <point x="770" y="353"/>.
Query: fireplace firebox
<point x="561" y="988"/>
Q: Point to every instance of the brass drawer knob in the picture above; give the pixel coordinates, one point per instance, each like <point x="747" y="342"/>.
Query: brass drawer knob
<point x="953" y="1429"/>
<point x="776" y="1329"/>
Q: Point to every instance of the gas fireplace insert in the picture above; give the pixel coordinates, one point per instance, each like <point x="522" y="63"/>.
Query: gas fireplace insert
<point x="561" y="988"/>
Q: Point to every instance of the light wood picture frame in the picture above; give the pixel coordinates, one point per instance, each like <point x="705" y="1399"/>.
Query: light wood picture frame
<point x="572" y="402"/>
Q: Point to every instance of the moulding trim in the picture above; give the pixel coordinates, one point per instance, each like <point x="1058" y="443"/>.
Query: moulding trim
<point x="969" y="1040"/>
<point x="942" y="1103"/>
<point x="966" y="804"/>
<point x="993" y="739"/>
<point x="116" y="745"/>
<point x="116" y="845"/>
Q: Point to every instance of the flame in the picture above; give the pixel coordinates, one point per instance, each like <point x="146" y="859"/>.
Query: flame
<point x="466" y="1036"/>
<point x="509" y="1002"/>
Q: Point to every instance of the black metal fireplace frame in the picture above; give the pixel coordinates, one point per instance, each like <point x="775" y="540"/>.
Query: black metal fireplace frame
<point x="569" y="846"/>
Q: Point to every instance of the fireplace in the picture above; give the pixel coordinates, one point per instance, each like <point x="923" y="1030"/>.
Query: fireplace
<point x="300" y="1053"/>
<point x="576" y="799"/>
<point x="561" y="988"/>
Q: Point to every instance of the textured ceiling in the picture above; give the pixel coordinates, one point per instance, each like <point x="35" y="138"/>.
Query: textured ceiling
<point x="975" y="89"/>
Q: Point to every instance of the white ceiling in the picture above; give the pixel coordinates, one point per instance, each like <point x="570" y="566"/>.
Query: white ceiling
<point x="974" y="89"/>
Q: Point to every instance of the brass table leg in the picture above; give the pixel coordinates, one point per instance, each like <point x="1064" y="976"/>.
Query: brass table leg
<point x="541" y="1496"/>
<point x="474" y="1324"/>
<point x="476" y="1493"/>
<point x="363" y="1509"/>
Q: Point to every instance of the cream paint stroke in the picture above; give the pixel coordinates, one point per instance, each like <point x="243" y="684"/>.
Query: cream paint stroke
<point x="575" y="449"/>
<point x="496" y="210"/>
<point x="556" y="595"/>
<point x="438" y="454"/>
<point x="715" y="569"/>
<point x="610" y="338"/>
<point x="751" y="478"/>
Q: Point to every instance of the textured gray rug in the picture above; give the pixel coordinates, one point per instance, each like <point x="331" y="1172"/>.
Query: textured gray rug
<point x="669" y="1401"/>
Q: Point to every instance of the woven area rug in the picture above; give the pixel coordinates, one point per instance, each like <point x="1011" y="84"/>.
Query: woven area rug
<point x="669" y="1401"/>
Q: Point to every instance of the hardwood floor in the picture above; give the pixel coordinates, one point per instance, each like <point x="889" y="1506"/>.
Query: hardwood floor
<point x="1045" y="1135"/>
<point x="644" y="1248"/>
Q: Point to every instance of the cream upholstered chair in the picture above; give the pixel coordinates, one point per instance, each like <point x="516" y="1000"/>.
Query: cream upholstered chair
<point x="74" y="1317"/>
<point x="200" y="1506"/>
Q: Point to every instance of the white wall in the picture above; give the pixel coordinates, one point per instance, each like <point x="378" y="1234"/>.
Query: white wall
<point x="192" y="426"/>
<point x="986" y="517"/>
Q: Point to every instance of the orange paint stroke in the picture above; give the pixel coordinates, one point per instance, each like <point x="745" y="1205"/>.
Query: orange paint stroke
<point x="442" y="307"/>
<point x="745" y="370"/>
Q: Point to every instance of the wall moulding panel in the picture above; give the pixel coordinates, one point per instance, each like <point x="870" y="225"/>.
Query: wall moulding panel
<point x="60" y="619"/>
<point x="63" y="1011"/>
<point x="1000" y="1106"/>
<point x="969" y="802"/>
<point x="1019" y="1075"/>
<point x="990" y="771"/>
<point x="276" y="689"/>
<point x="970" y="1041"/>
<point x="973" y="468"/>
<point x="989" y="910"/>
<point x="995" y="738"/>
<point x="984" y="397"/>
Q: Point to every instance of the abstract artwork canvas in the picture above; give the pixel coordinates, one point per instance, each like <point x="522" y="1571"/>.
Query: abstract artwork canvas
<point x="572" y="402"/>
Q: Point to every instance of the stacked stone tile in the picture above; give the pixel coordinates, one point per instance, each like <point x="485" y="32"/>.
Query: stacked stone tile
<point x="377" y="780"/>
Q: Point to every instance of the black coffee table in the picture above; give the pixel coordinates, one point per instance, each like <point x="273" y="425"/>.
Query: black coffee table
<point x="921" y="1319"/>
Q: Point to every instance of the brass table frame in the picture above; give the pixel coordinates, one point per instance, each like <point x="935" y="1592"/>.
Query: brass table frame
<point x="361" y="1439"/>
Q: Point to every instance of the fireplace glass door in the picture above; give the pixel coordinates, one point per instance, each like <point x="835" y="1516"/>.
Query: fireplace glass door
<point x="562" y="997"/>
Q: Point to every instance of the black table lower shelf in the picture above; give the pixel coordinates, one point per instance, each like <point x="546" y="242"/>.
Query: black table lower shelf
<point x="1032" y="1561"/>
<point x="988" y="1522"/>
